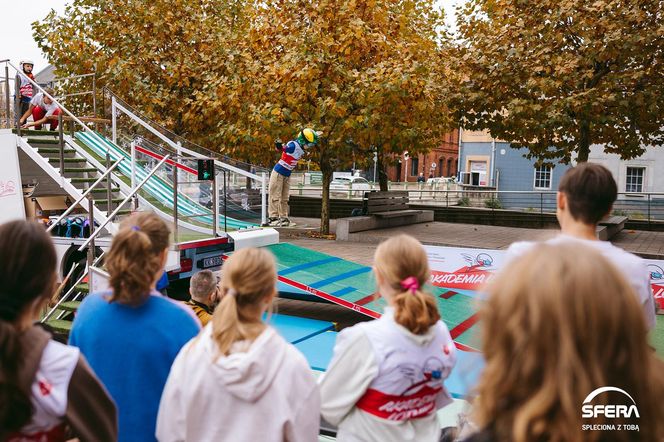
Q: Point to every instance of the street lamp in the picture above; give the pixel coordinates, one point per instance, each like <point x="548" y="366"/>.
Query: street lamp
<point x="375" y="159"/>
<point x="405" y="157"/>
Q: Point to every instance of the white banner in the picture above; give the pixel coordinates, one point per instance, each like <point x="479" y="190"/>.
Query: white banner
<point x="465" y="270"/>
<point x="11" y="192"/>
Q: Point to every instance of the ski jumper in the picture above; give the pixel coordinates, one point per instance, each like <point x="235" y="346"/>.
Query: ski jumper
<point x="291" y="153"/>
<point x="24" y="92"/>
<point x="385" y="383"/>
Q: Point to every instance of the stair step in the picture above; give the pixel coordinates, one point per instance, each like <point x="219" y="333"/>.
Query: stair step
<point x="102" y="190"/>
<point x="123" y="212"/>
<point x="80" y="169"/>
<point x="43" y="141"/>
<point x="82" y="180"/>
<point x="42" y="150"/>
<point x="68" y="160"/>
<point x="83" y="287"/>
<point x="32" y="132"/>
<point x="113" y="200"/>
<point x="70" y="306"/>
<point x="59" y="325"/>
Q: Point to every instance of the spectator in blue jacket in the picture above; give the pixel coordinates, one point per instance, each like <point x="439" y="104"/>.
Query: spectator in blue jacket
<point x="131" y="334"/>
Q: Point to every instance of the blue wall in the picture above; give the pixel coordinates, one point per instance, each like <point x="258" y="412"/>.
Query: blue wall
<point x="514" y="172"/>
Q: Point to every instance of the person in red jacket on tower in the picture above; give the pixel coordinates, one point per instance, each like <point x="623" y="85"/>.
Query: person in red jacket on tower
<point x="41" y="108"/>
<point x="24" y="89"/>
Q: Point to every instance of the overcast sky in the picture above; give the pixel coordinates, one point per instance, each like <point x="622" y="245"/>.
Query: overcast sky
<point x="16" y="42"/>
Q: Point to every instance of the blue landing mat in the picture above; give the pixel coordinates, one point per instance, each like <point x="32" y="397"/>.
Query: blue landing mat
<point x="318" y="349"/>
<point x="294" y="329"/>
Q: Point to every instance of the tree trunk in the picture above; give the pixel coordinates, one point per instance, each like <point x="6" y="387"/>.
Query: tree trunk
<point x="382" y="175"/>
<point x="584" y="141"/>
<point x="326" y="168"/>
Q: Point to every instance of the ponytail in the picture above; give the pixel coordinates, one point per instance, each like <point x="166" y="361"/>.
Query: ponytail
<point x="27" y="278"/>
<point x="15" y="405"/>
<point x="134" y="260"/>
<point x="248" y="277"/>
<point x="417" y="311"/>
<point x="402" y="261"/>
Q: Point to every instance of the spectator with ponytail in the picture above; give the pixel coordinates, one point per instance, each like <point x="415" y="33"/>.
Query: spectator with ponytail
<point x="239" y="380"/>
<point x="131" y="334"/>
<point x="47" y="390"/>
<point x="385" y="381"/>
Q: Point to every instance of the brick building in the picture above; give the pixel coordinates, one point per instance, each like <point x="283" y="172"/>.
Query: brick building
<point x="440" y="161"/>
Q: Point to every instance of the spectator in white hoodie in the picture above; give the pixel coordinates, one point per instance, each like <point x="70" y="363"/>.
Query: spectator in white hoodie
<point x="239" y="380"/>
<point x="385" y="381"/>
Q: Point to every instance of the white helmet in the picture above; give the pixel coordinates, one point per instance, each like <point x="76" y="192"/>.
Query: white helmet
<point x="28" y="61"/>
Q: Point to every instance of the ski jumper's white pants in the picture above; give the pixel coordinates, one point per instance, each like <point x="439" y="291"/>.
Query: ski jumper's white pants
<point x="279" y="194"/>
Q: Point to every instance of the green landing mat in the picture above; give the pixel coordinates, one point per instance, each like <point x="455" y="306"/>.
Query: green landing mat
<point x="352" y="285"/>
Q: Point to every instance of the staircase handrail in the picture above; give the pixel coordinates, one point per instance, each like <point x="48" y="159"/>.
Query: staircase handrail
<point x="41" y="89"/>
<point x="177" y="147"/>
<point x="127" y="198"/>
<point x="204" y="151"/>
<point x="85" y="194"/>
<point x="71" y="289"/>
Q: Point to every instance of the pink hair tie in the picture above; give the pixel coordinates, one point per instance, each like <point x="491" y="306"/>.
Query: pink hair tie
<point x="411" y="284"/>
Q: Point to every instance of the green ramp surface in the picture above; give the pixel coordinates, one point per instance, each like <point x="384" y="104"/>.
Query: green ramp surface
<point x="352" y="285"/>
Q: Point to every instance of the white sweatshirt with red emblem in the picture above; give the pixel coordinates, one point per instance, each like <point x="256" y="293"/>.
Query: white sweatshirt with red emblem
<point x="385" y="383"/>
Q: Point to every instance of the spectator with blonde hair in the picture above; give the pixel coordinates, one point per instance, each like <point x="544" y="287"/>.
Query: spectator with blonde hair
<point x="385" y="381"/>
<point x="239" y="380"/>
<point x="203" y="291"/>
<point x="561" y="322"/>
<point x="131" y="334"/>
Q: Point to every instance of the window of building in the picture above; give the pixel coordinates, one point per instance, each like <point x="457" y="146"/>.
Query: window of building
<point x="414" y="166"/>
<point x="441" y="163"/>
<point x="450" y="172"/>
<point x="543" y="177"/>
<point x="634" y="179"/>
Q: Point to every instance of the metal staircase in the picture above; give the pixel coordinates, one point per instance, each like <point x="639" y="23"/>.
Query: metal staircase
<point x="76" y="161"/>
<point x="80" y="173"/>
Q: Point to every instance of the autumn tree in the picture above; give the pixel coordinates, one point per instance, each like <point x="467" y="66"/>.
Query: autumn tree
<point x="234" y="76"/>
<point x="363" y="72"/>
<point x="156" y="54"/>
<point x="556" y="76"/>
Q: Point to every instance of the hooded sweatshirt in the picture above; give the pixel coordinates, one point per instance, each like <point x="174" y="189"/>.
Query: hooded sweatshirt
<point x="262" y="391"/>
<point x="385" y="383"/>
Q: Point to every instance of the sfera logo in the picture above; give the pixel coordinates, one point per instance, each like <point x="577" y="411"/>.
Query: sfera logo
<point x="609" y="411"/>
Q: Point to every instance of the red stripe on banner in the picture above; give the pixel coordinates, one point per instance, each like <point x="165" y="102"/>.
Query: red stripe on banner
<point x="448" y="294"/>
<point x="156" y="156"/>
<point x="465" y="325"/>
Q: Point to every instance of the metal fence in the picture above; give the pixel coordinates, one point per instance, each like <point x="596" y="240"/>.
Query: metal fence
<point x="647" y="207"/>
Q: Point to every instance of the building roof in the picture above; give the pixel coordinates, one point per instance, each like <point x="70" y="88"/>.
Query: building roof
<point x="46" y="75"/>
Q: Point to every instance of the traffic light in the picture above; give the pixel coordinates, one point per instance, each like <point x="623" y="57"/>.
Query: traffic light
<point x="205" y="170"/>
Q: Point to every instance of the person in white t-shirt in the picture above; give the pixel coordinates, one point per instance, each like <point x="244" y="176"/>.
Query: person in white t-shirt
<point x="385" y="380"/>
<point x="586" y="195"/>
<point x="41" y="108"/>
